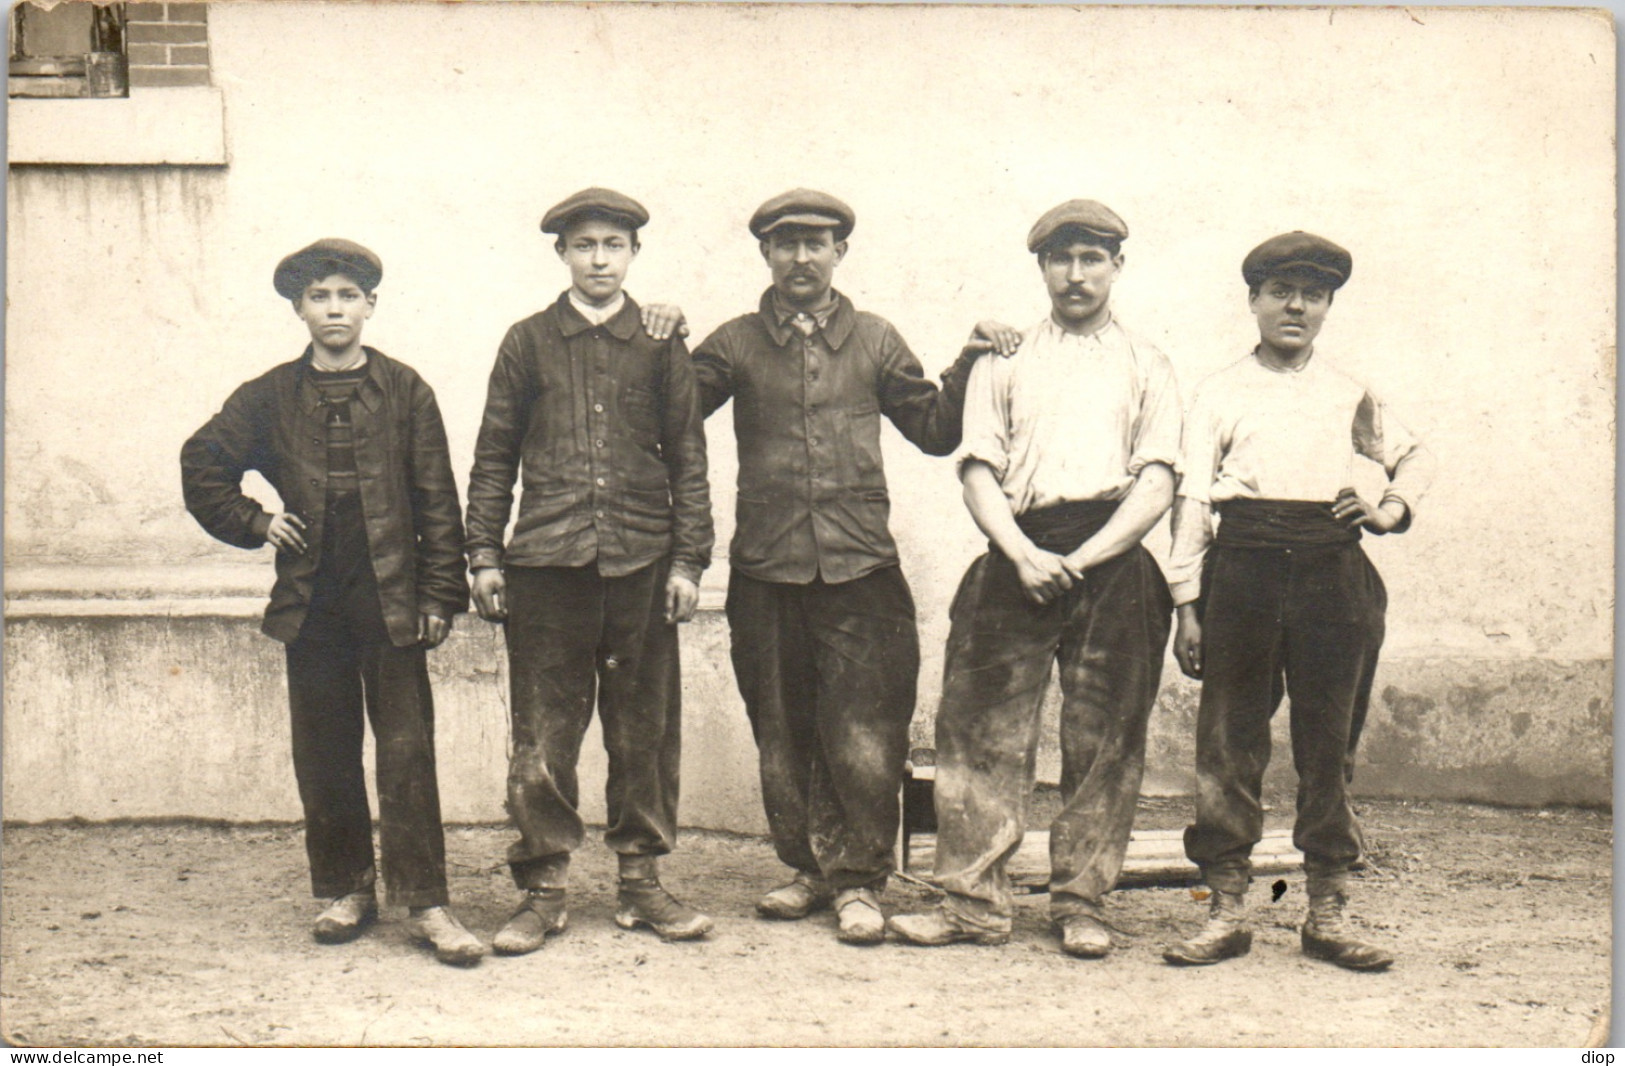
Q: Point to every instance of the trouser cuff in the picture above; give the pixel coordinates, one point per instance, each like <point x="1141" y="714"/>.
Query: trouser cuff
<point x="551" y="872"/>
<point x="638" y="867"/>
<point x="420" y="897"/>
<point x="977" y="913"/>
<point x="333" y="888"/>
<point x="1226" y="879"/>
<point x="1064" y="905"/>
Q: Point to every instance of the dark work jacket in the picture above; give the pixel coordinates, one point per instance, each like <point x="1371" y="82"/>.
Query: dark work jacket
<point x="602" y="425"/>
<point x="812" y="488"/>
<point x="275" y="424"/>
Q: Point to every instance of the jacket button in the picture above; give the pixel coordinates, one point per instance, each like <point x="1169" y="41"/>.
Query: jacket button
<point x="313" y="481"/>
<point x="598" y="443"/>
<point x="600" y="482"/>
<point x="598" y="407"/>
<point x="315" y="440"/>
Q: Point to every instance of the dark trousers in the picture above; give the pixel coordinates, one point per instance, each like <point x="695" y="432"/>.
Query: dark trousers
<point x="1109" y="634"/>
<point x="576" y="638"/>
<point x="343" y="660"/>
<point x="829" y="675"/>
<point x="1303" y="622"/>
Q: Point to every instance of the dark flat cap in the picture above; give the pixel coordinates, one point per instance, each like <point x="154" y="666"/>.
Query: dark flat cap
<point x="803" y="207"/>
<point x="1297" y="251"/>
<point x="330" y="255"/>
<point x="1087" y="215"/>
<point x="595" y="203"/>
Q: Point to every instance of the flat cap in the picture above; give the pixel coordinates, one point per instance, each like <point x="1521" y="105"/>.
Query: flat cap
<point x="1297" y="251"/>
<point x="1088" y="215"/>
<point x="595" y="203"/>
<point x="803" y="207"/>
<point x="330" y="255"/>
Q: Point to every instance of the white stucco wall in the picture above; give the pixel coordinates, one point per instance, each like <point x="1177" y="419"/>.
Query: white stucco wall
<point x="1464" y="157"/>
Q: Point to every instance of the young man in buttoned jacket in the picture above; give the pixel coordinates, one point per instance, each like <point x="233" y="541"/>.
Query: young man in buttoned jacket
<point x="599" y="420"/>
<point x="369" y="577"/>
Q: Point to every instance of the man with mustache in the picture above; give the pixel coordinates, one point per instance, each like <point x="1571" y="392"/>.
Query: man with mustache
<point x="824" y="643"/>
<point x="1283" y="601"/>
<point x="1067" y="463"/>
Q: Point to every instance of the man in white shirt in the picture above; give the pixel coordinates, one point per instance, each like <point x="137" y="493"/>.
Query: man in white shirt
<point x="1067" y="461"/>
<point x="1284" y="601"/>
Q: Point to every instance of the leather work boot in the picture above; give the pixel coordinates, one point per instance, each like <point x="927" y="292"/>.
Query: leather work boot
<point x="540" y="914"/>
<point x="939" y="926"/>
<point x="438" y="927"/>
<point x="1327" y="936"/>
<point x="346" y="917"/>
<point x="858" y="912"/>
<point x="1225" y="936"/>
<point x="1084" y="937"/>
<point x="642" y="901"/>
<point x="795" y="900"/>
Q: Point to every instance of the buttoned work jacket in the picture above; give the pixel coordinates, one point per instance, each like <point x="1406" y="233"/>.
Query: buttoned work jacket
<point x="812" y="497"/>
<point x="276" y="425"/>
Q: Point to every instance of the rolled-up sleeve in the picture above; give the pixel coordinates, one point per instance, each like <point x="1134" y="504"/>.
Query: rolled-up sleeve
<point x="1157" y="426"/>
<point x="987" y="416"/>
<point x="1193" y="507"/>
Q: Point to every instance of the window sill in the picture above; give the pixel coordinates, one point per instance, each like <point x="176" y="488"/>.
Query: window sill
<point x="178" y="127"/>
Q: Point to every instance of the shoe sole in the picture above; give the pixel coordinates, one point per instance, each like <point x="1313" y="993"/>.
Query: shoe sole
<point x="788" y="915"/>
<point x="499" y="948"/>
<point x="1174" y="957"/>
<point x="627" y="921"/>
<point x="343" y="934"/>
<point x="981" y="940"/>
<point x="863" y="939"/>
<point x="1329" y="955"/>
<point x="1085" y="953"/>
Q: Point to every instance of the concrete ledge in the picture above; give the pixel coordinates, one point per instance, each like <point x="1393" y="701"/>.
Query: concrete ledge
<point x="122" y="708"/>
<point x="178" y="127"/>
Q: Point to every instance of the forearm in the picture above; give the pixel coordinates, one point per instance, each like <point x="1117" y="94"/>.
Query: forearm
<point x="990" y="509"/>
<point x="932" y="418"/>
<point x="1147" y="501"/>
<point x="1192" y="532"/>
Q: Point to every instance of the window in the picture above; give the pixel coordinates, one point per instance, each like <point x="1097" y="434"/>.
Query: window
<point x="69" y="49"/>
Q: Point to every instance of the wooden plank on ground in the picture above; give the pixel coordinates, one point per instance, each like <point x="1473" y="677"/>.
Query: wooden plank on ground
<point x="1154" y="857"/>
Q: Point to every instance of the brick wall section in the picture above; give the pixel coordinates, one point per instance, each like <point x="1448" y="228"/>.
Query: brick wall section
<point x="168" y="44"/>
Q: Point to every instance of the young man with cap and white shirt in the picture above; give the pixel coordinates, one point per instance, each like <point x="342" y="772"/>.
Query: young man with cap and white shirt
<point x="825" y="649"/>
<point x="369" y="577"/>
<point x="1283" y="601"/>
<point x="1068" y="461"/>
<point x="592" y="405"/>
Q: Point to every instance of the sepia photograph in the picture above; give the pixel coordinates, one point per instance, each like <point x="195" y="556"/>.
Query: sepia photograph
<point x="616" y="524"/>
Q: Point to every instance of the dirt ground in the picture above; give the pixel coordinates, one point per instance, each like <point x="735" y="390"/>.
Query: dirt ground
<point x="181" y="935"/>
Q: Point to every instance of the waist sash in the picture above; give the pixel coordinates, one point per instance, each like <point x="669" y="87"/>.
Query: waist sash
<point x="1281" y="524"/>
<point x="1064" y="526"/>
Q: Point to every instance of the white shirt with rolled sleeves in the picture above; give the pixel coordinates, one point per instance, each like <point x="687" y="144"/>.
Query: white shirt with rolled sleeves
<point x="1255" y="433"/>
<point x="1071" y="417"/>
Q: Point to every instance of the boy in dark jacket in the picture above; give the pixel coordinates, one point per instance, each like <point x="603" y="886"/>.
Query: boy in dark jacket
<point x="369" y="576"/>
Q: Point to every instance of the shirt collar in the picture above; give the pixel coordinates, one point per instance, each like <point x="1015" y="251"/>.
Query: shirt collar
<point x="596" y="315"/>
<point x="835" y="320"/>
<point x="370" y="391"/>
<point x="622" y="324"/>
<point x="1102" y="335"/>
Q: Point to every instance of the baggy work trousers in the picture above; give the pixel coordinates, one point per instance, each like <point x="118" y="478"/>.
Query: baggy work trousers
<point x="829" y="675"/>
<point x="576" y="638"/>
<point x="343" y="660"/>
<point x="1109" y="634"/>
<point x="1303" y="622"/>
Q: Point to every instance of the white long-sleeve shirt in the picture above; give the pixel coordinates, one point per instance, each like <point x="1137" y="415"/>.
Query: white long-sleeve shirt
<point x="1257" y="433"/>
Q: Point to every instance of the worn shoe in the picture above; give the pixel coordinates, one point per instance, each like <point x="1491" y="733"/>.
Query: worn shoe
<point x="453" y="945"/>
<point x="1083" y="937"/>
<point x="346" y="917"/>
<point x="939" y="926"/>
<point x="857" y="910"/>
<point x="795" y="900"/>
<point x="643" y="901"/>
<point x="540" y="915"/>
<point x="1225" y="936"/>
<point x="1326" y="935"/>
